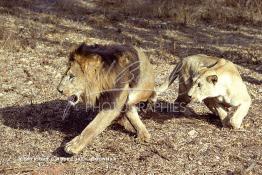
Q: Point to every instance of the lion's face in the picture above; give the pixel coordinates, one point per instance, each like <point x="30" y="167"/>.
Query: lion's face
<point x="73" y="82"/>
<point x="204" y="86"/>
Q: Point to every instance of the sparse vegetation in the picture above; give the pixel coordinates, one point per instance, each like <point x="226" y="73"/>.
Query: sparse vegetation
<point x="35" y="39"/>
<point x="190" y="11"/>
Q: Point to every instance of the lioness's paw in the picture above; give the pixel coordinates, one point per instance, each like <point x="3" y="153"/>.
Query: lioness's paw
<point x="74" y="146"/>
<point x="144" y="136"/>
<point x="235" y="123"/>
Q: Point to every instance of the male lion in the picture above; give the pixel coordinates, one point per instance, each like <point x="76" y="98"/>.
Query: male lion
<point x="113" y="77"/>
<point x="192" y="68"/>
<point x="221" y="87"/>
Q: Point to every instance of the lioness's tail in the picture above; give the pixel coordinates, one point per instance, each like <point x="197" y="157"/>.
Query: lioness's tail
<point x="172" y="77"/>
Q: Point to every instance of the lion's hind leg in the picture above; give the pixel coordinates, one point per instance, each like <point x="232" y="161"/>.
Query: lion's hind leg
<point x="133" y="117"/>
<point x="123" y="121"/>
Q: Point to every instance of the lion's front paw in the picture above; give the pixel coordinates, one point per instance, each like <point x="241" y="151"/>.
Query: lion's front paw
<point x="74" y="146"/>
<point x="144" y="136"/>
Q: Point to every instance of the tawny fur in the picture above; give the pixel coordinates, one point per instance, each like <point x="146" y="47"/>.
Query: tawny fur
<point x="222" y="87"/>
<point x="118" y="75"/>
<point x="218" y="100"/>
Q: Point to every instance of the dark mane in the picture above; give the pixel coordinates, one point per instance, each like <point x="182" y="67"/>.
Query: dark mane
<point x="108" y="53"/>
<point x="122" y="60"/>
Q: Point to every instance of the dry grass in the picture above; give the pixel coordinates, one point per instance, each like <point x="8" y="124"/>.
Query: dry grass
<point x="35" y="39"/>
<point x="189" y="11"/>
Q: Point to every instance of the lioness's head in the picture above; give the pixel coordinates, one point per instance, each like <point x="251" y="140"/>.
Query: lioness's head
<point x="204" y="86"/>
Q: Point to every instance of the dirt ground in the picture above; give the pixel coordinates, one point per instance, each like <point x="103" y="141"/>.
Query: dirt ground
<point x="35" y="40"/>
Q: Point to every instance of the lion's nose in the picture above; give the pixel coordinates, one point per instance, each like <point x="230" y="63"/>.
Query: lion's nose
<point x="59" y="89"/>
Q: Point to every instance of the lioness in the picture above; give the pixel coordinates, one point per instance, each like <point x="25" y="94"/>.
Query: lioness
<point x="221" y="87"/>
<point x="186" y="70"/>
<point x="194" y="66"/>
<point x="113" y="77"/>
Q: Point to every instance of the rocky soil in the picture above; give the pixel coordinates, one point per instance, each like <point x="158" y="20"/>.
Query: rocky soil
<point x="36" y="38"/>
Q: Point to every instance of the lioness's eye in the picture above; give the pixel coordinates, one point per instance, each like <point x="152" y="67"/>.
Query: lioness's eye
<point x="199" y="85"/>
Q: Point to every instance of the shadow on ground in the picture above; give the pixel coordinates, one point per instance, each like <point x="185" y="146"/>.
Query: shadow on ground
<point x="47" y="116"/>
<point x="164" y="110"/>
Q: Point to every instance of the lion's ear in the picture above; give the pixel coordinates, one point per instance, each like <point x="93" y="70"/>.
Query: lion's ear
<point x="212" y="79"/>
<point x="80" y="60"/>
<point x="93" y="63"/>
<point x="88" y="62"/>
<point x="94" y="59"/>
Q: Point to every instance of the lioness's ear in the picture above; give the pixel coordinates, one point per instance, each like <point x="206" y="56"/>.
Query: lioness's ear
<point x="212" y="79"/>
<point x="219" y="63"/>
<point x="201" y="69"/>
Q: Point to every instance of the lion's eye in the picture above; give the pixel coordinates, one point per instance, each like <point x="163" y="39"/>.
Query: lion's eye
<point x="71" y="76"/>
<point x="199" y="85"/>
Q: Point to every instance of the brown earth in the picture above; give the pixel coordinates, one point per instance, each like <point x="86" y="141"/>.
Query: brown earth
<point x="35" y="40"/>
